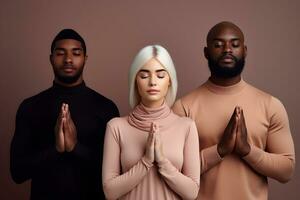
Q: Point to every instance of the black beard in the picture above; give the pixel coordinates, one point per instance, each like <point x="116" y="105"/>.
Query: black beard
<point x="68" y="79"/>
<point x="226" y="72"/>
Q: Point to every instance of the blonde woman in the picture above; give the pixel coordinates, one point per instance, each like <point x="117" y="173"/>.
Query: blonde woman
<point x="151" y="154"/>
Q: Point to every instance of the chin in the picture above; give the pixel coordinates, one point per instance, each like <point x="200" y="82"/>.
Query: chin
<point x="153" y="100"/>
<point x="228" y="66"/>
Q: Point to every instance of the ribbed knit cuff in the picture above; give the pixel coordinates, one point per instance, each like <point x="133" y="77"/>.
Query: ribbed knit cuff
<point x="254" y="155"/>
<point x="147" y="162"/>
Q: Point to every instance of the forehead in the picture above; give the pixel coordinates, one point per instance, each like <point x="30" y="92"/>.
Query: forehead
<point x="152" y="65"/>
<point x="67" y="44"/>
<point x="226" y="33"/>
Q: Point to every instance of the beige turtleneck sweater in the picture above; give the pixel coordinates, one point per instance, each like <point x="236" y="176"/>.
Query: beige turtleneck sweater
<point x="272" y="149"/>
<point x="127" y="174"/>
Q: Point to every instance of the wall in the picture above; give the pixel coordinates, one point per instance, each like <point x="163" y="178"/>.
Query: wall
<point x="115" y="30"/>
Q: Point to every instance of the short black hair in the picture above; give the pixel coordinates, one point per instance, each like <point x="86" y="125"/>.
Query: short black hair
<point x="68" y="34"/>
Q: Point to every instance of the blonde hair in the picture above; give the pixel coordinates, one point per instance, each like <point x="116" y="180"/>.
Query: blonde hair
<point x="144" y="55"/>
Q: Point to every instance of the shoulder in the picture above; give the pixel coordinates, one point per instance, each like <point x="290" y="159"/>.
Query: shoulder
<point x="183" y="121"/>
<point x="258" y="92"/>
<point x="190" y="102"/>
<point x="99" y="97"/>
<point x="272" y="104"/>
<point x="116" y="126"/>
<point x="35" y="100"/>
<point x="103" y="103"/>
<point x="118" y="122"/>
<point x="262" y="96"/>
<point x="190" y="97"/>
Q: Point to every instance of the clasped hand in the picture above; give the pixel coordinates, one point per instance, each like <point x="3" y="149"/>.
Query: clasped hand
<point x="65" y="131"/>
<point x="154" y="151"/>
<point x="234" y="138"/>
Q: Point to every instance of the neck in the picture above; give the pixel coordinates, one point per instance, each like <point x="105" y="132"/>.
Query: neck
<point x="225" y="81"/>
<point x="153" y="104"/>
<point x="77" y="82"/>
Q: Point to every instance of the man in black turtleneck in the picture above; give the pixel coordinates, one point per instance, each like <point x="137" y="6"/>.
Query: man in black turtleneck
<point x="59" y="132"/>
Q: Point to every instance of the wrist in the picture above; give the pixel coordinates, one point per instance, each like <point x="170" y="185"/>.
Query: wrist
<point x="160" y="159"/>
<point x="221" y="151"/>
<point x="245" y="150"/>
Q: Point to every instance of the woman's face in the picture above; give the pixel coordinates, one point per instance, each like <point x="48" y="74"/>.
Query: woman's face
<point x="152" y="83"/>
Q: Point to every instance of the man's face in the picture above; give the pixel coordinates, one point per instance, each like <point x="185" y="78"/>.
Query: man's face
<point x="226" y="52"/>
<point x="68" y="61"/>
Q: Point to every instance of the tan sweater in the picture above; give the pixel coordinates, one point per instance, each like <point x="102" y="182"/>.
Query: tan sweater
<point x="127" y="174"/>
<point x="272" y="149"/>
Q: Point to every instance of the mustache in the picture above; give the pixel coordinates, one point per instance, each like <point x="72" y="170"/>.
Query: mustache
<point x="227" y="55"/>
<point x="68" y="66"/>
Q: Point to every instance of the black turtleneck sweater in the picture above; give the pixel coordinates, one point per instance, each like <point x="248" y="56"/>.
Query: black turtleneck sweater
<point x="74" y="175"/>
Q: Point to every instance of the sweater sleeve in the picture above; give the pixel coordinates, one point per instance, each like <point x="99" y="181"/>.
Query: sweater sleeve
<point x="209" y="156"/>
<point x="115" y="182"/>
<point x="278" y="159"/>
<point x="90" y="153"/>
<point x="185" y="183"/>
<point x="25" y="160"/>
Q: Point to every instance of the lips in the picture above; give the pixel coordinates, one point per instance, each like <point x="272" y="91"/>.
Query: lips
<point x="227" y="59"/>
<point x="152" y="91"/>
<point x="68" y="69"/>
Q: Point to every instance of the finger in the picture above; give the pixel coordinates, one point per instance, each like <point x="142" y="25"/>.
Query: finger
<point x="152" y="140"/>
<point x="67" y="108"/>
<point x="155" y="143"/>
<point x="67" y="111"/>
<point x="155" y="127"/>
<point x="233" y="114"/>
<point x="150" y="137"/>
<point x="61" y="111"/>
<point x="233" y="123"/>
<point x="66" y="126"/>
<point x="152" y="127"/>
<point x="64" y="112"/>
<point x="157" y="139"/>
<point x="63" y="125"/>
<point x="243" y="123"/>
<point x="236" y="125"/>
<point x="243" y="117"/>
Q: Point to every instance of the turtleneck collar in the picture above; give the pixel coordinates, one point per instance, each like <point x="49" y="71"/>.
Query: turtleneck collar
<point x="74" y="89"/>
<point x="143" y="117"/>
<point x="225" y="90"/>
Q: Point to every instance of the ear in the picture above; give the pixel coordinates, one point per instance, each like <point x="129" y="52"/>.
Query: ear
<point x="245" y="50"/>
<point x="51" y="58"/>
<point x="205" y="50"/>
<point x="85" y="58"/>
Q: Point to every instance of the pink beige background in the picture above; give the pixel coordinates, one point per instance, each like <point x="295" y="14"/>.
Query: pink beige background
<point x="115" y="30"/>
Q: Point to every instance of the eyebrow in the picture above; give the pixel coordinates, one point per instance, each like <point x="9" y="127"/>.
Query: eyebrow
<point x="221" y="39"/>
<point x="63" y="49"/>
<point x="159" y="70"/>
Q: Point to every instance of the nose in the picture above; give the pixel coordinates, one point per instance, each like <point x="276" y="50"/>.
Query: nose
<point x="152" y="81"/>
<point x="227" y="48"/>
<point x="68" y="58"/>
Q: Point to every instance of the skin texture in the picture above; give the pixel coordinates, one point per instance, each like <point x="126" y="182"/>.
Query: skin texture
<point x="227" y="143"/>
<point x="225" y="45"/>
<point x="65" y="131"/>
<point x="59" y="134"/>
<point x="67" y="60"/>
<point x="242" y="147"/>
<point x="225" y="41"/>
<point x="153" y="76"/>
